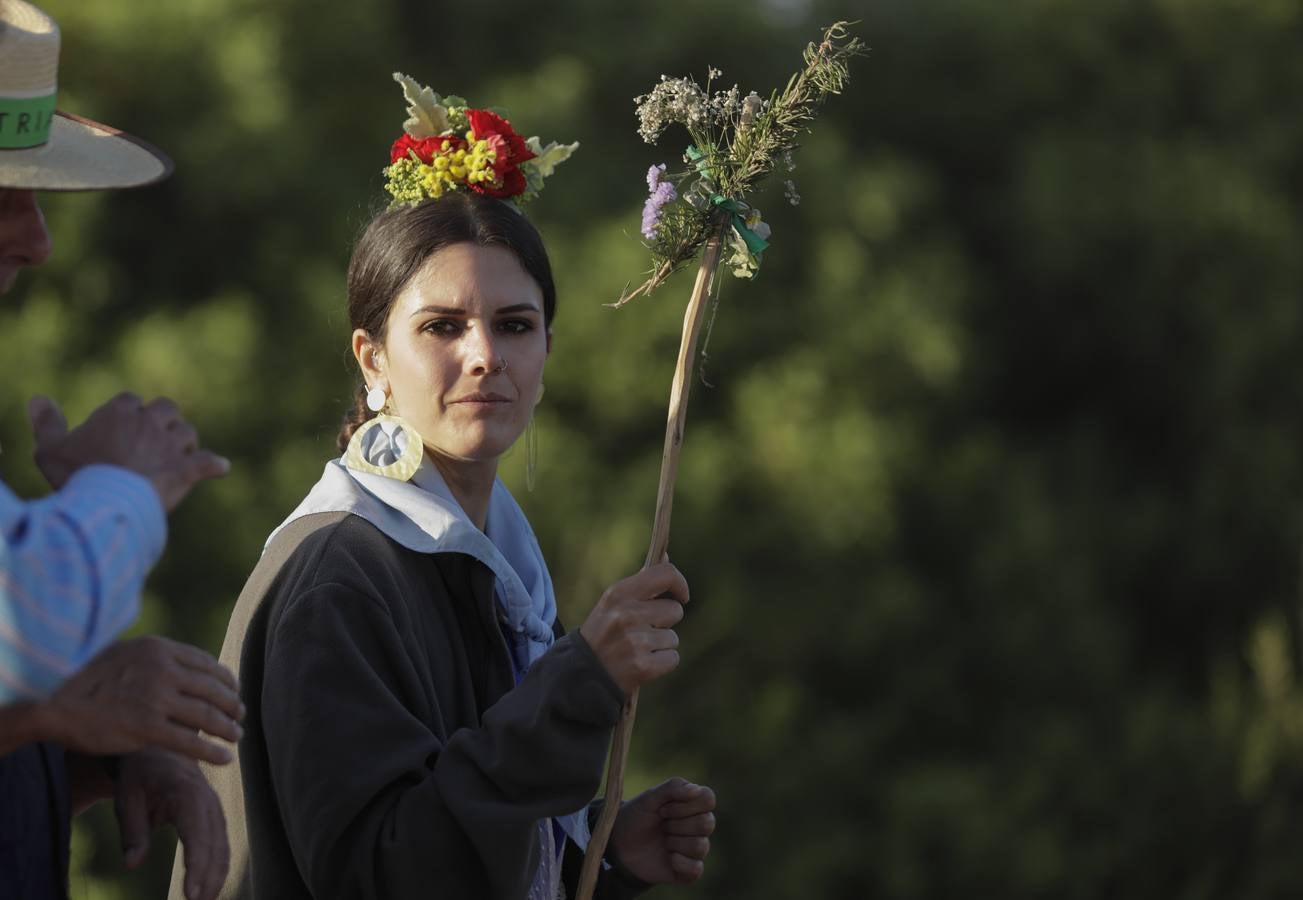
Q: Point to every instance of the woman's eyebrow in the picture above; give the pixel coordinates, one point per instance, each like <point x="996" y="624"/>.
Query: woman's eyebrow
<point x="456" y="311"/>
<point x="439" y="310"/>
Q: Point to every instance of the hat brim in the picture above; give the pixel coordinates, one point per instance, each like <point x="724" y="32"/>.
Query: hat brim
<point x="82" y="155"/>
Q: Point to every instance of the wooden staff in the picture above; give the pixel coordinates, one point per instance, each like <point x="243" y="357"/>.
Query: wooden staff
<point x="660" y="541"/>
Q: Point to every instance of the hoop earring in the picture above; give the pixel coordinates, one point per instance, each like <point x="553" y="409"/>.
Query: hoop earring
<point x="531" y="445"/>
<point x="386" y="445"/>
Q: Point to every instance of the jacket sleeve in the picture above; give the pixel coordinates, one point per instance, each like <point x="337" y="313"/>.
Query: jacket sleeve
<point x="374" y="804"/>
<point x="614" y="881"/>
<point x="71" y="568"/>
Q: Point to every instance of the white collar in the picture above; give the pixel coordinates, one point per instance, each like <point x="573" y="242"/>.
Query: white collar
<point x="424" y="516"/>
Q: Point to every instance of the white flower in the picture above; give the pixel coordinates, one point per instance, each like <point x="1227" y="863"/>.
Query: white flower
<point x="674" y="100"/>
<point x="725" y="105"/>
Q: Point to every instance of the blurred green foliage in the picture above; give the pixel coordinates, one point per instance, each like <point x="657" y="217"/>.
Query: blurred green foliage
<point x="992" y="514"/>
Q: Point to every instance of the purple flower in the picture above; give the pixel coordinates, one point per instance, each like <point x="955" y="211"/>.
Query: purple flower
<point x="662" y="192"/>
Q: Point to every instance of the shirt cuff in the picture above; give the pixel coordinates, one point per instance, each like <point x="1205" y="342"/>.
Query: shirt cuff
<point x="128" y="495"/>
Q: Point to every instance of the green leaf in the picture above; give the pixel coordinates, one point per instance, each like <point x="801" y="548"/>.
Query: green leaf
<point x="546" y="159"/>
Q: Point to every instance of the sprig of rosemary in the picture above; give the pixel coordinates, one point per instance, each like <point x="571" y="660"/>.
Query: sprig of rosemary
<point x="739" y="142"/>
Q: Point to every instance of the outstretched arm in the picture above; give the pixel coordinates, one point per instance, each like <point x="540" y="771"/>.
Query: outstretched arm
<point x="147" y="691"/>
<point x="71" y="568"/>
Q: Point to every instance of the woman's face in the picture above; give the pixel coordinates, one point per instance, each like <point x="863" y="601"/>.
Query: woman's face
<point x="464" y="352"/>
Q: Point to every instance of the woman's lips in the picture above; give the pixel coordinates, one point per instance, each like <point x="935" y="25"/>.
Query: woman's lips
<point x="482" y="399"/>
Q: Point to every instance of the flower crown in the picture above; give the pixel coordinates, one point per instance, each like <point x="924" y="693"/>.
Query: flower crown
<point x="449" y="146"/>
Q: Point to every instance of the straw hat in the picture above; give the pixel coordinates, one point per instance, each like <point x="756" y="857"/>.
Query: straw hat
<point x="46" y="150"/>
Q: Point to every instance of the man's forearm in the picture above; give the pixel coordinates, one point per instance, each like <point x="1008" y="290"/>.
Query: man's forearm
<point x="74" y="563"/>
<point x="28" y="722"/>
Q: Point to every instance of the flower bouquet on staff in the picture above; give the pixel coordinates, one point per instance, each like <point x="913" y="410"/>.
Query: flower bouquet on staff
<point x="736" y="142"/>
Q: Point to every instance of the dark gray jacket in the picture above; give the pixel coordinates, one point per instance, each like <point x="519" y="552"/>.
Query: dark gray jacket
<point x="386" y="753"/>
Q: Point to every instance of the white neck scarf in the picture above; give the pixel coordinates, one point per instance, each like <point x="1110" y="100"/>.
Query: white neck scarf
<point x="422" y="515"/>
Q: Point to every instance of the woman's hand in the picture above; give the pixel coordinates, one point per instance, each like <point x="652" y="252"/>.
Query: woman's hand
<point x="632" y="627"/>
<point x="662" y="836"/>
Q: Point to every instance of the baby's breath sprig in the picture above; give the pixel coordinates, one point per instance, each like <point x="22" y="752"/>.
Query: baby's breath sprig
<point x="736" y="141"/>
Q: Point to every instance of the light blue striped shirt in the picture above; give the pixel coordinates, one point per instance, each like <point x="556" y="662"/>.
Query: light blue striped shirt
<point x="71" y="568"/>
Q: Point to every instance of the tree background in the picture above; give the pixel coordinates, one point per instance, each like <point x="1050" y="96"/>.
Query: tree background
<point x="992" y="514"/>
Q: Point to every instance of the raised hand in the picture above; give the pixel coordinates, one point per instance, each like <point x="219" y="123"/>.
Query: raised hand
<point x="662" y="836"/>
<point x="152" y="440"/>
<point x="631" y="629"/>
<point x="146" y="692"/>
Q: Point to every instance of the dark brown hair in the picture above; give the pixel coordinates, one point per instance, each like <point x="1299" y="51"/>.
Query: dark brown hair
<point x="397" y="243"/>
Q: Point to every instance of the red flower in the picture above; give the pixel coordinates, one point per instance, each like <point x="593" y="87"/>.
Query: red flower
<point x="425" y="149"/>
<point x="510" y="184"/>
<point x="509" y="146"/>
<point x="509" y="150"/>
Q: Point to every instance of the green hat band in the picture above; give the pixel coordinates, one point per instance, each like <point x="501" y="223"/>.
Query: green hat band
<point x="25" y="121"/>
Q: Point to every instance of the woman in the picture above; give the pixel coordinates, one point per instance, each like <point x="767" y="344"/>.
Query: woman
<point x="417" y="724"/>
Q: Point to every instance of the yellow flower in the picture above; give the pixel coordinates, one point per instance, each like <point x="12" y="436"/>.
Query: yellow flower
<point x="409" y="180"/>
